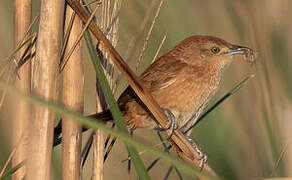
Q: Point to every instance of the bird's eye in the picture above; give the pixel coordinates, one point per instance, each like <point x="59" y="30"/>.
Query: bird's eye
<point x="215" y="50"/>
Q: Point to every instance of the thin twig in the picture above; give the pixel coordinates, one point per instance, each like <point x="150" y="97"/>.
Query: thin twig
<point x="87" y="148"/>
<point x="109" y="149"/>
<point x="25" y="57"/>
<point x="168" y="173"/>
<point x="142" y="152"/>
<point x="77" y="40"/>
<point x="23" y="39"/>
<point x="4" y="92"/>
<point x="92" y="2"/>
<point x="134" y="41"/>
<point x="178" y="173"/>
<point x="159" y="48"/>
<point x="11" y="155"/>
<point x="149" y="34"/>
<point x="129" y="161"/>
<point x="108" y="137"/>
<point x="283" y="152"/>
<point x="13" y="170"/>
<point x="129" y="169"/>
<point x="66" y="37"/>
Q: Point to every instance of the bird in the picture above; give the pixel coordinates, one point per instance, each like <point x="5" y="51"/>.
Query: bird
<point x="182" y="81"/>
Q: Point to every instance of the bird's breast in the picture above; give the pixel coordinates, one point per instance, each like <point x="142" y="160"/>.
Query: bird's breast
<point x="187" y="94"/>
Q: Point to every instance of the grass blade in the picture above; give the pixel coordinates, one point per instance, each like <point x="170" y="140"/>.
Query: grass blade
<point x="13" y="170"/>
<point x="91" y="123"/>
<point x="138" y="163"/>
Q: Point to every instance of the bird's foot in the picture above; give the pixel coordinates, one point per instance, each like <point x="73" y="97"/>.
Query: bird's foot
<point x="171" y="126"/>
<point x="203" y="156"/>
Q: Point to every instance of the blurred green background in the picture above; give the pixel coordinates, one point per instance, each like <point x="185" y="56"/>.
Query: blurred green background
<point x="247" y="135"/>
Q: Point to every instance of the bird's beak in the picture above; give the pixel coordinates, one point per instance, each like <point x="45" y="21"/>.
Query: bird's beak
<point x="249" y="54"/>
<point x="238" y="50"/>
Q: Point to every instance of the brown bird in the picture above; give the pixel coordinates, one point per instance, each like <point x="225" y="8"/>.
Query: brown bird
<point x="182" y="82"/>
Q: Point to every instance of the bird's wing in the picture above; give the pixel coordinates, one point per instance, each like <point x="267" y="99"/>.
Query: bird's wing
<point x="160" y="74"/>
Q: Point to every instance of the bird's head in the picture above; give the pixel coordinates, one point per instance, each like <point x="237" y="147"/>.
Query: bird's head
<point x="211" y="50"/>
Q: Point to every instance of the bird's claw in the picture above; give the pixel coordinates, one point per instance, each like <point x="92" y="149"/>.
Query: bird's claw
<point x="171" y="126"/>
<point x="203" y="156"/>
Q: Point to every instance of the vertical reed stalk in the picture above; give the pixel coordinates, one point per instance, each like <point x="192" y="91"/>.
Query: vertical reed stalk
<point x="73" y="84"/>
<point x="98" y="153"/>
<point x="109" y="24"/>
<point x="22" y="19"/>
<point x="45" y="85"/>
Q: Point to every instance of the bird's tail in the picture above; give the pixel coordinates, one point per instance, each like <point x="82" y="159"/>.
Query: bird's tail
<point x="100" y="117"/>
<point x="103" y="116"/>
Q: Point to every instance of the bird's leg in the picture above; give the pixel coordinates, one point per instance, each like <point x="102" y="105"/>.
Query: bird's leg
<point x="203" y="156"/>
<point x="171" y="124"/>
